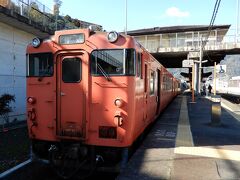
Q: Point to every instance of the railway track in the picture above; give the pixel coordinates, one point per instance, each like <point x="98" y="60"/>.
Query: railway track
<point x="41" y="171"/>
<point x="231" y="97"/>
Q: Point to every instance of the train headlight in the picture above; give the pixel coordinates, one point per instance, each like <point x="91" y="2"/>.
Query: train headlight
<point x="36" y="42"/>
<point x="118" y="102"/>
<point x="112" y="36"/>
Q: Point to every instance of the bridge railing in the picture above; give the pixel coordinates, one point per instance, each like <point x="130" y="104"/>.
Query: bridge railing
<point x="178" y="42"/>
<point x="37" y="12"/>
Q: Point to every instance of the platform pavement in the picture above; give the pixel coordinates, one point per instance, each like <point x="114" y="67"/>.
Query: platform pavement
<point x="203" y="152"/>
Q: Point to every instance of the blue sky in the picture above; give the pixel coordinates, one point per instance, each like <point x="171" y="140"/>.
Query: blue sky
<point x="147" y="13"/>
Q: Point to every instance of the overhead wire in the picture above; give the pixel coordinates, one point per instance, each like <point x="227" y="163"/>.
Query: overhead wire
<point x="214" y="15"/>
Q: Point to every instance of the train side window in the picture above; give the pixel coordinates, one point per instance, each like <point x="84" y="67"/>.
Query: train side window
<point x="165" y="82"/>
<point x="152" y="82"/>
<point x="71" y="70"/>
<point x="130" y="55"/>
<point x="146" y="78"/>
<point x="139" y="65"/>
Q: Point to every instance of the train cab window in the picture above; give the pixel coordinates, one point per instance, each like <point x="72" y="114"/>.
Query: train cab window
<point x="139" y="65"/>
<point x="113" y="62"/>
<point x="152" y="82"/>
<point x="71" y="70"/>
<point x="40" y="65"/>
<point x="129" y="61"/>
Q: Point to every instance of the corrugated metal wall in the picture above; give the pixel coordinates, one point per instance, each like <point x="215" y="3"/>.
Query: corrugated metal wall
<point x="13" y="44"/>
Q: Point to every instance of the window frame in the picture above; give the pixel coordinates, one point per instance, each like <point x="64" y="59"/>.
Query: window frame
<point x="59" y="39"/>
<point x="139" y="65"/>
<point x="28" y="64"/>
<point x="124" y="64"/>
<point x="152" y="91"/>
<point x="80" y="70"/>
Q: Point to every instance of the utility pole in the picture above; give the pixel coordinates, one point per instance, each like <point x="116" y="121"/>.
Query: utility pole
<point x="56" y="24"/>
<point x="193" y="98"/>
<point x="214" y="78"/>
<point x="126" y="17"/>
<point x="237" y="23"/>
<point x="200" y="65"/>
<point x="57" y="4"/>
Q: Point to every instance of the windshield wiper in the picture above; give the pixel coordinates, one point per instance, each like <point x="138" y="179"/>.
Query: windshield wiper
<point x="103" y="72"/>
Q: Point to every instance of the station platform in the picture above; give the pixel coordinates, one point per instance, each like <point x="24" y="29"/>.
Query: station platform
<point x="183" y="144"/>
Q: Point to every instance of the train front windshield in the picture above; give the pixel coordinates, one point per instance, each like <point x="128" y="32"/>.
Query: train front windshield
<point x="115" y="62"/>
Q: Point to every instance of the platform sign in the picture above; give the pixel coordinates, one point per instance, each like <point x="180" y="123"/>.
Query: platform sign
<point x="193" y="54"/>
<point x="221" y="69"/>
<point x="187" y="63"/>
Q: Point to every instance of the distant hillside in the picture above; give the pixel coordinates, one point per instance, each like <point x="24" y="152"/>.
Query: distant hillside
<point x="233" y="65"/>
<point x="176" y="72"/>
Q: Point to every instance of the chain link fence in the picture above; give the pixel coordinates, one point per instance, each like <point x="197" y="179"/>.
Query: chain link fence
<point x="39" y="13"/>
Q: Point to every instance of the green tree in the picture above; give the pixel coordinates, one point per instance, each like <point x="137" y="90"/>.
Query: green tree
<point x="5" y="108"/>
<point x="35" y="14"/>
<point x="77" y="22"/>
<point x="68" y="18"/>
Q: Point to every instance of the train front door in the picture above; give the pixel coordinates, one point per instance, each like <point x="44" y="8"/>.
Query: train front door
<point x="71" y="98"/>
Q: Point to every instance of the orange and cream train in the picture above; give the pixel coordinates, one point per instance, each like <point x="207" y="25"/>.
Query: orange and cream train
<point x="90" y="95"/>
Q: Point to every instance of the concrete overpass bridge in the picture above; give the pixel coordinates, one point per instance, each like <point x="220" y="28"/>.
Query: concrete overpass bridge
<point x="171" y="45"/>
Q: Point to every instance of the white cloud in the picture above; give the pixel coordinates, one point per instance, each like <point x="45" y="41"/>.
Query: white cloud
<point x="175" y="12"/>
